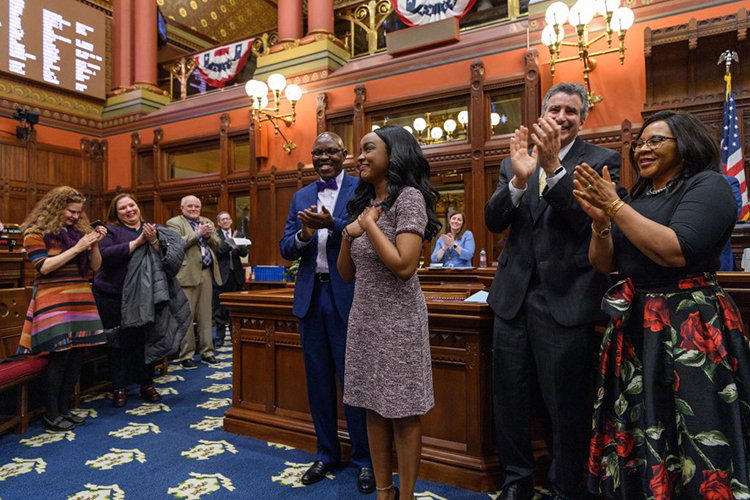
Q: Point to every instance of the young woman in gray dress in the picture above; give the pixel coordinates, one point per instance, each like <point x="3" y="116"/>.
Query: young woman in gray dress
<point x="388" y="367"/>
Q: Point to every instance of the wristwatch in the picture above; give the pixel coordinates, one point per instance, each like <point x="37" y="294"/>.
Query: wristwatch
<point x="455" y="245"/>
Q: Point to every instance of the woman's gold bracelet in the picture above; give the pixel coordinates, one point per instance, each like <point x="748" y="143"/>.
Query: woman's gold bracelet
<point x="604" y="232"/>
<point x="614" y="207"/>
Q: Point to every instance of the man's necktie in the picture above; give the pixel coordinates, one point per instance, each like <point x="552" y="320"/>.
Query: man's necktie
<point x="206" y="257"/>
<point x="228" y="237"/>
<point x="329" y="184"/>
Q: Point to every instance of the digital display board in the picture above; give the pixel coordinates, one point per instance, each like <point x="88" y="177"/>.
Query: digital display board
<point x="61" y="43"/>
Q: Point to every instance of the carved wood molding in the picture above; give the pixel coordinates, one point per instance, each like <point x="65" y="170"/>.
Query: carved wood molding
<point x="198" y="187"/>
<point x="532" y="87"/>
<point x="224" y="121"/>
<point x="360" y="95"/>
<point x="475" y="187"/>
<point x="695" y="29"/>
<point x="159" y="210"/>
<point x="320" y="112"/>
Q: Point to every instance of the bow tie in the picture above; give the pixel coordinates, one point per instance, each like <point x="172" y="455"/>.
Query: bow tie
<point x="329" y="184"/>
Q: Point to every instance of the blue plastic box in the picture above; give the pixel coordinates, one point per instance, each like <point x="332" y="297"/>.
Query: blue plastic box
<point x="270" y="273"/>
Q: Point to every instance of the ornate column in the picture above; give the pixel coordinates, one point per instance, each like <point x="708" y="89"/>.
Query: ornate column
<point x="253" y="173"/>
<point x="122" y="45"/>
<point x="98" y="151"/>
<point x="135" y="141"/>
<point x="145" y="44"/>
<point x="290" y="20"/>
<point x="478" y="117"/>
<point x="319" y="16"/>
<point x="159" y="211"/>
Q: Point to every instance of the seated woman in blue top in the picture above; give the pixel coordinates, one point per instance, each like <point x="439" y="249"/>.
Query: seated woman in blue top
<point x="455" y="248"/>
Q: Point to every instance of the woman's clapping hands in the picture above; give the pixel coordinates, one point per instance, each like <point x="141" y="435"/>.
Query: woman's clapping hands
<point x="594" y="192"/>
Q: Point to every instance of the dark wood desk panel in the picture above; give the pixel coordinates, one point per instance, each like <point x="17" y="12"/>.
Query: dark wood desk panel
<point x="482" y="276"/>
<point x="270" y="393"/>
<point x="12" y="269"/>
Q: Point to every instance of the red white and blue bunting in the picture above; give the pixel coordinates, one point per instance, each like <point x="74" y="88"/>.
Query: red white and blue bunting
<point x="219" y="65"/>
<point x="418" y="12"/>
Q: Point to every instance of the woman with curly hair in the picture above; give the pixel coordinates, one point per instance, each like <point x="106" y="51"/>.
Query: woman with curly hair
<point x="388" y="368"/>
<point x="672" y="415"/>
<point x="62" y="314"/>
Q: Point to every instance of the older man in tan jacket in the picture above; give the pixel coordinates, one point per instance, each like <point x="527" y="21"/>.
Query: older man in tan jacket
<point x="195" y="276"/>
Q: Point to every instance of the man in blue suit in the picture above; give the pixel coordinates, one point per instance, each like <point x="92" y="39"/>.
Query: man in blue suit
<point x="322" y="301"/>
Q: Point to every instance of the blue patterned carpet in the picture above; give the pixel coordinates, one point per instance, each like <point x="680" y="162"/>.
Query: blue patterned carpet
<point x="173" y="449"/>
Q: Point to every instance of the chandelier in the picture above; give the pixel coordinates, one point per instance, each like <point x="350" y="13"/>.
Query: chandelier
<point x="617" y="20"/>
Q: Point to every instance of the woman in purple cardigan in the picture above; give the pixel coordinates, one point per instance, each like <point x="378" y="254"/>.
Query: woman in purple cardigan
<point x="126" y="232"/>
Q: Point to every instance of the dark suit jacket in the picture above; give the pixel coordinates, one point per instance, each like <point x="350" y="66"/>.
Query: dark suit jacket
<point x="550" y="232"/>
<point x="303" y="289"/>
<point x="227" y="252"/>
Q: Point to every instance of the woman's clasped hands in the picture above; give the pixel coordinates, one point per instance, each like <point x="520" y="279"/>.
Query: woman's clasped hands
<point x="90" y="239"/>
<point x="595" y="193"/>
<point x="148" y="235"/>
<point x="369" y="215"/>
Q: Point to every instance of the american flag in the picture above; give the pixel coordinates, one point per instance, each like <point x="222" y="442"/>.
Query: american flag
<point x="731" y="147"/>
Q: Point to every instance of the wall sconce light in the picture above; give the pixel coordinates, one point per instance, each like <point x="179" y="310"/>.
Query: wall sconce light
<point x="258" y="93"/>
<point x="617" y="19"/>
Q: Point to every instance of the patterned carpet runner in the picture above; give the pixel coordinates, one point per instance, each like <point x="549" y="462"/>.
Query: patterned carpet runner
<point x="176" y="448"/>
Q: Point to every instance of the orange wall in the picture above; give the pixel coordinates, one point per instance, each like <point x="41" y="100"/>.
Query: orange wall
<point x="623" y="89"/>
<point x="45" y="135"/>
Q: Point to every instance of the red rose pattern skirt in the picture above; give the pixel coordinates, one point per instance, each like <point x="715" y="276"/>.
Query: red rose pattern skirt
<point x="672" y="411"/>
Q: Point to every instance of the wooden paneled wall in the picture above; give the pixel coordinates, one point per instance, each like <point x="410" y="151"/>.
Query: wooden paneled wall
<point x="473" y="164"/>
<point x="29" y="170"/>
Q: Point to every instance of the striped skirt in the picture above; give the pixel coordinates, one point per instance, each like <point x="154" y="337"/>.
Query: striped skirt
<point x="62" y="314"/>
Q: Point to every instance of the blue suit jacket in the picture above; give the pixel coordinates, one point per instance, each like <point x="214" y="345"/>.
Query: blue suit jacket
<point x="727" y="259"/>
<point x="343" y="292"/>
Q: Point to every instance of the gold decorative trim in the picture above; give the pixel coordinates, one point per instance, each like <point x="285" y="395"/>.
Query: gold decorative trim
<point x="50" y="103"/>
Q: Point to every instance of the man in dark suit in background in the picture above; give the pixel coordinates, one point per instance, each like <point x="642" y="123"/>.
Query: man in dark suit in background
<point x="546" y="295"/>
<point x="322" y="301"/>
<point x="231" y="270"/>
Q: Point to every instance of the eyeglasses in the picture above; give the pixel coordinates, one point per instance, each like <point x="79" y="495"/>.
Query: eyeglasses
<point x="653" y="142"/>
<point x="327" y="152"/>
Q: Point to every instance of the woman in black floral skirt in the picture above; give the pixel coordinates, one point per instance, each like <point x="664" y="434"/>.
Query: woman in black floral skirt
<point x="671" y="413"/>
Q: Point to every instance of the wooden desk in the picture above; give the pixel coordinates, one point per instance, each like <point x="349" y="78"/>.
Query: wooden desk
<point x="267" y="285"/>
<point x="269" y="398"/>
<point x="482" y="276"/>
<point x="12" y="269"/>
<point x="15" y="269"/>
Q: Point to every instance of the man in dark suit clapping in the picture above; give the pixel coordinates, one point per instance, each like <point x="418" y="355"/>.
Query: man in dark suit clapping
<point x="546" y="296"/>
<point x="322" y="301"/>
<point x="231" y="270"/>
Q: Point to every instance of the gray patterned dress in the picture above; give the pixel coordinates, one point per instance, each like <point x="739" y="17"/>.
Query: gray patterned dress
<point x="388" y="368"/>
